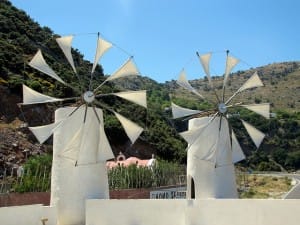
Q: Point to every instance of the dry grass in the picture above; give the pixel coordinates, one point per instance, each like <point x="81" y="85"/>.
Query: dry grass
<point x="263" y="186"/>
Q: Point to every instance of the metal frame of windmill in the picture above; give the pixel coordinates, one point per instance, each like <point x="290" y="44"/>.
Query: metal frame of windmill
<point x="212" y="145"/>
<point x="80" y="145"/>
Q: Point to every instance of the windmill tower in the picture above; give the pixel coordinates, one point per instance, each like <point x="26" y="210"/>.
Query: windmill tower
<point x="212" y="145"/>
<point x="80" y="145"/>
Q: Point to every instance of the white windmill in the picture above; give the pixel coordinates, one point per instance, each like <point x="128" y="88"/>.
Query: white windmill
<point x="212" y="145"/>
<point x="80" y="146"/>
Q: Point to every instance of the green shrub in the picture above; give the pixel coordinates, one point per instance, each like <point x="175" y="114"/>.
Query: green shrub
<point x="161" y="174"/>
<point x="36" y="175"/>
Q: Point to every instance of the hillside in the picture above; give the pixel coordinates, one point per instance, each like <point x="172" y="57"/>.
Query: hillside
<point x="281" y="86"/>
<point x="20" y="37"/>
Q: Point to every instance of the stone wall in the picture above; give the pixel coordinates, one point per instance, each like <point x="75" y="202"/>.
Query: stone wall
<point x="17" y="199"/>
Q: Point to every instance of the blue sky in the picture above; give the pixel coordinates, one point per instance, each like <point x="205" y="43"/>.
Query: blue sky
<point x="163" y="35"/>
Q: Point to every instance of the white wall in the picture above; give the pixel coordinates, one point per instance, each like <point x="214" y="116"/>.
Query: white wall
<point x="193" y="212"/>
<point x="27" y="215"/>
<point x="243" y="212"/>
<point x="134" y="212"/>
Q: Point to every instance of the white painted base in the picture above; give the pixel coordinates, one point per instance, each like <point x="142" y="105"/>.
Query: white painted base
<point x="193" y="212"/>
<point x="27" y="215"/>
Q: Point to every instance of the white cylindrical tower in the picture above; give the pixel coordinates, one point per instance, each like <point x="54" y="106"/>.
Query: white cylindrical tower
<point x="80" y="150"/>
<point x="210" y="169"/>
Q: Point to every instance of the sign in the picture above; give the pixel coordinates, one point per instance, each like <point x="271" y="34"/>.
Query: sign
<point x="169" y="193"/>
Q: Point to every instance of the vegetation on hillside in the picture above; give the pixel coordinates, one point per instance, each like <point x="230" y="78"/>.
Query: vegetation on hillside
<point x="20" y="37"/>
<point x="260" y="186"/>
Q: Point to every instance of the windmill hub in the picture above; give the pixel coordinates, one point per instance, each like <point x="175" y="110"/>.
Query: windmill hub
<point x="222" y="108"/>
<point x="88" y="96"/>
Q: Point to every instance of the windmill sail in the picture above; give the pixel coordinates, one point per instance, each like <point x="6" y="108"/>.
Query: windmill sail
<point x="102" y="47"/>
<point x="132" y="130"/>
<point x="211" y="153"/>
<point x="104" y="151"/>
<point x="252" y="82"/>
<point x="195" y="129"/>
<point x="183" y="82"/>
<point x="237" y="152"/>
<point x="261" y="109"/>
<point x="231" y="62"/>
<point x="256" y="135"/>
<point x="31" y="96"/>
<point x="128" y="69"/>
<point x="204" y="60"/>
<point x="65" y="43"/>
<point x="38" y="62"/>
<point x="137" y="97"/>
<point x="179" y="112"/>
<point x="42" y="133"/>
<point x="71" y="150"/>
<point x="191" y="136"/>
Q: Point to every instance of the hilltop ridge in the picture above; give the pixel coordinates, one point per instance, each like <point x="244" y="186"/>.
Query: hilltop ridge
<point x="20" y="37"/>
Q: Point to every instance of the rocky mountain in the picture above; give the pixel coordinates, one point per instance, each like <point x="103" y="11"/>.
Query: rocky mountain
<point x="20" y="37"/>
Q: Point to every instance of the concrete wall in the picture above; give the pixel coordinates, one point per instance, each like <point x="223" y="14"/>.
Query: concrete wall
<point x="193" y="212"/>
<point x="27" y="215"/>
<point x="243" y="212"/>
<point x="134" y="212"/>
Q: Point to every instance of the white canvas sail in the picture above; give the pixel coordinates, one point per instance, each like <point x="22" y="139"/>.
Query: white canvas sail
<point x="127" y="69"/>
<point x="223" y="148"/>
<point x="42" y="133"/>
<point x="102" y="47"/>
<point x="231" y="62"/>
<point x="204" y="60"/>
<point x="65" y="43"/>
<point x="137" y="97"/>
<point x="132" y="130"/>
<point x="31" y="96"/>
<point x="104" y="149"/>
<point x="88" y="144"/>
<point x="179" y="112"/>
<point x="256" y="135"/>
<point x="211" y="152"/>
<point x="213" y="142"/>
<point x="38" y="62"/>
<point x="183" y="82"/>
<point x="252" y="82"/>
<point x="190" y="136"/>
<point x="261" y="109"/>
<point x="237" y="152"/>
<point x="71" y="151"/>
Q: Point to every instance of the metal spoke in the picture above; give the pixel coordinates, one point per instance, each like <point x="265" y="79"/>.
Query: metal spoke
<point x="85" y="112"/>
<point x="98" y="118"/>
<point x="74" y="110"/>
<point x="97" y="88"/>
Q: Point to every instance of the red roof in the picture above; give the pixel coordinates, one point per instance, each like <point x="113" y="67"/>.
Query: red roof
<point x="130" y="161"/>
